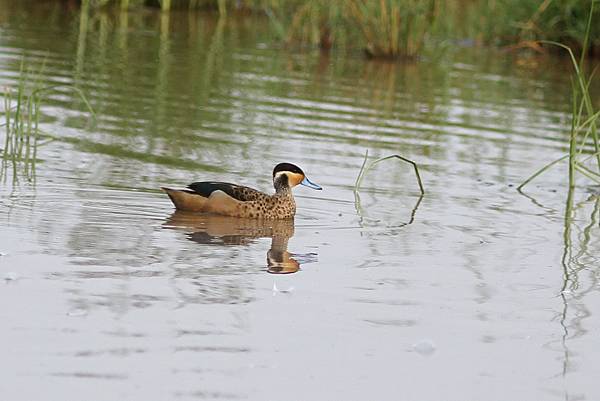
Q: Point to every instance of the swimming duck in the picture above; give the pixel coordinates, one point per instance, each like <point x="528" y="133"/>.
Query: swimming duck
<point x="239" y="201"/>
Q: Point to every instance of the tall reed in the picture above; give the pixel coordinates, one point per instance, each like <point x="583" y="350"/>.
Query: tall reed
<point x="383" y="28"/>
<point x="392" y="28"/>
<point x="584" y="127"/>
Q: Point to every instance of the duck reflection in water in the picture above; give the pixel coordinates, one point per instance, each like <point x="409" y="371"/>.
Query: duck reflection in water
<point x="225" y="231"/>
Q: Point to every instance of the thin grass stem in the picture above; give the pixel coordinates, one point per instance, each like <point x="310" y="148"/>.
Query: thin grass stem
<point x="572" y="143"/>
<point x="589" y="157"/>
<point x="7" y="116"/>
<point x="364" y="170"/>
<point x="587" y="122"/>
<point x="361" y="172"/>
<point x="588" y="173"/>
<point x="540" y="171"/>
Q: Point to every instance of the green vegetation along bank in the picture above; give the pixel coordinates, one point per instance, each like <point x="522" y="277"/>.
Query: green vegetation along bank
<point x="402" y="28"/>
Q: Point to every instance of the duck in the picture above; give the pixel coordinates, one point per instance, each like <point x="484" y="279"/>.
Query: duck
<point x="223" y="198"/>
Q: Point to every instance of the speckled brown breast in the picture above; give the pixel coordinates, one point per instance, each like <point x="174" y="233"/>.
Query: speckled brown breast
<point x="268" y="207"/>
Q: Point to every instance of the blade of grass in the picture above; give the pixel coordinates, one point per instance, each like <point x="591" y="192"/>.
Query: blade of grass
<point x="588" y="173"/>
<point x="586" y="99"/>
<point x="540" y="171"/>
<point x="572" y="141"/>
<point x="589" y="157"/>
<point x="361" y="172"/>
<point x="581" y="126"/>
<point x="75" y="89"/>
<point x="586" y="38"/>
<point x="7" y="116"/>
<point x="364" y="170"/>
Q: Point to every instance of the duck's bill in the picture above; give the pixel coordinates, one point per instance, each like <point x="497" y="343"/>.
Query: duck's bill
<point x="307" y="183"/>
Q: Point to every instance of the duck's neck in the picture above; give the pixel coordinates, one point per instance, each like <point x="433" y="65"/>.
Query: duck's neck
<point x="282" y="186"/>
<point x="283" y="190"/>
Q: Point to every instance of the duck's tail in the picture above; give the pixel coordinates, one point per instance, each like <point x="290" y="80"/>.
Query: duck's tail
<point x="185" y="199"/>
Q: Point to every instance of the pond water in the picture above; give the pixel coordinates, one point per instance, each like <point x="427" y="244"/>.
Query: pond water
<point x="474" y="292"/>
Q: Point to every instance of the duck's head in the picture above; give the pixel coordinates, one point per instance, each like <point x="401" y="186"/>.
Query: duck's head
<point x="287" y="175"/>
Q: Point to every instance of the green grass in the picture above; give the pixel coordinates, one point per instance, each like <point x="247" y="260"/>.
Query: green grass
<point x="508" y="22"/>
<point x="382" y="28"/>
<point x="22" y="112"/>
<point x="21" y="124"/>
<point x="364" y="169"/>
<point x="403" y="28"/>
<point x="584" y="143"/>
<point x="583" y="134"/>
<point x="392" y="28"/>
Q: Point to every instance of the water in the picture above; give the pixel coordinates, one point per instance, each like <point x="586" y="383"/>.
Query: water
<point x="108" y="294"/>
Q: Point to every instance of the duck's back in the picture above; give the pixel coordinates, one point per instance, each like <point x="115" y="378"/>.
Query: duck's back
<point x="238" y="192"/>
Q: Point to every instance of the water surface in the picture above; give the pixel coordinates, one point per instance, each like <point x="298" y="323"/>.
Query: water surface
<point x="109" y="294"/>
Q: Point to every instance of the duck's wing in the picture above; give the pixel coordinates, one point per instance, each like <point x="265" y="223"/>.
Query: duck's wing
<point x="238" y="192"/>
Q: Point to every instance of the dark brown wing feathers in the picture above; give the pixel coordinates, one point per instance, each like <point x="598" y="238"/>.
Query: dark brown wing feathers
<point x="238" y="192"/>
